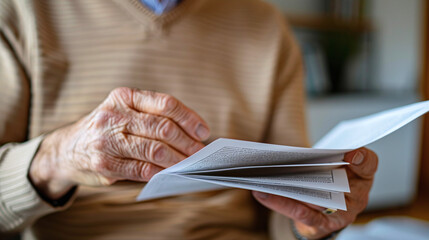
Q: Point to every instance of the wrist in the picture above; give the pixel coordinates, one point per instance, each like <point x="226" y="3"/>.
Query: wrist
<point x="45" y="172"/>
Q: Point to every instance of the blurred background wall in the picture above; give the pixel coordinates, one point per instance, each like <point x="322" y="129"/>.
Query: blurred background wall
<point x="394" y="28"/>
<point x="398" y="35"/>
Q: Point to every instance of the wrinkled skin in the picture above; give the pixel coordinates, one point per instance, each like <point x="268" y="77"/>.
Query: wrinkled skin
<point x="132" y="135"/>
<point x="309" y="219"/>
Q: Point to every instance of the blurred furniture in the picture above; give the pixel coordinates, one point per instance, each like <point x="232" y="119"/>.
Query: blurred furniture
<point x="336" y="44"/>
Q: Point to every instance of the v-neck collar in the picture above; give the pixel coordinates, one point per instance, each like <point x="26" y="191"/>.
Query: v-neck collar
<point x="147" y="16"/>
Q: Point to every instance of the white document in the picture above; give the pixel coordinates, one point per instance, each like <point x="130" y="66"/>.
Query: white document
<point x="360" y="132"/>
<point x="312" y="175"/>
<point x="329" y="180"/>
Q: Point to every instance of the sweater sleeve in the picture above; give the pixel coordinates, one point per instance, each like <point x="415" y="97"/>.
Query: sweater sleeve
<point x="20" y="204"/>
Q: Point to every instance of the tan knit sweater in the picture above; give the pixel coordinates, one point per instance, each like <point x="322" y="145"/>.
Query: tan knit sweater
<point x="233" y="61"/>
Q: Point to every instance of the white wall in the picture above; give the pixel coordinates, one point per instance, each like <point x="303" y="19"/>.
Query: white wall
<point x="397" y="49"/>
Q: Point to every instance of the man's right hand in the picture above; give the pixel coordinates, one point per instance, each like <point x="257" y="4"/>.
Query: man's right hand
<point x="132" y="135"/>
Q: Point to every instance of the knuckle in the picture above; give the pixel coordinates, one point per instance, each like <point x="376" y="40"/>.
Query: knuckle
<point x="148" y="93"/>
<point x="132" y="170"/>
<point x="311" y="221"/>
<point x="146" y="171"/>
<point x="168" y="104"/>
<point x="121" y="94"/>
<point x="166" y="129"/>
<point x="300" y="213"/>
<point x="121" y="138"/>
<point x="102" y="118"/>
<point x="156" y="151"/>
<point x="120" y="91"/>
<point x="335" y="225"/>
<point x="109" y="117"/>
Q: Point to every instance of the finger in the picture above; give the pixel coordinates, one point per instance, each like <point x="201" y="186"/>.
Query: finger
<point x="358" y="197"/>
<point x="315" y="207"/>
<point x="165" y="130"/>
<point x="164" y="105"/>
<point x="291" y="208"/>
<point x="129" y="169"/>
<point x="148" y="150"/>
<point x="363" y="161"/>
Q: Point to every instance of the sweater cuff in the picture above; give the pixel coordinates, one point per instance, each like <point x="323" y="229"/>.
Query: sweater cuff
<point x="20" y="204"/>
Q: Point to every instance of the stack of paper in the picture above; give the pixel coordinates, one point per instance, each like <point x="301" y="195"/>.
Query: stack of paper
<point x="312" y="175"/>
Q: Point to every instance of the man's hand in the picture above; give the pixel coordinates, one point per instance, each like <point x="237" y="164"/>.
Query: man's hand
<point x="309" y="219"/>
<point x="132" y="135"/>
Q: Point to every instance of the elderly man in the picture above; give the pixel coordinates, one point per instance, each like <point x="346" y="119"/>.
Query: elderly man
<point x="87" y="116"/>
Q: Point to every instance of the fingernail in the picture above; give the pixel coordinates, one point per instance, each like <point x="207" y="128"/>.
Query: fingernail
<point x="261" y="195"/>
<point x="202" y="132"/>
<point x="358" y="158"/>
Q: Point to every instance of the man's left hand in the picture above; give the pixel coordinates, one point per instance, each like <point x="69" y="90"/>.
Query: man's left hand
<point x="310" y="221"/>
